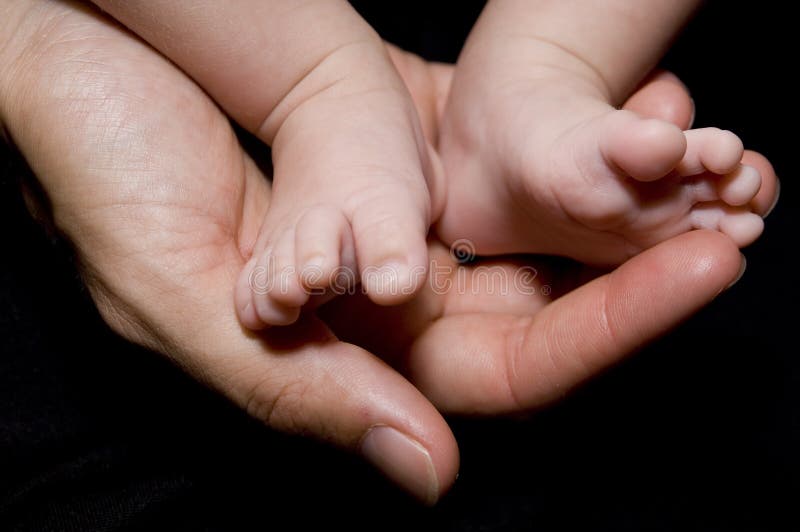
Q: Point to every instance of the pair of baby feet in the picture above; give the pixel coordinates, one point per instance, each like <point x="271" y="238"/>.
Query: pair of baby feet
<point x="535" y="163"/>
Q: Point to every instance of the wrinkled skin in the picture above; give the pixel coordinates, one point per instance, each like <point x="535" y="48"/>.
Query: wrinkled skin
<point x="147" y="180"/>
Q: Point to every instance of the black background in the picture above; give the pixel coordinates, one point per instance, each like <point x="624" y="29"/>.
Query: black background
<point x="700" y="431"/>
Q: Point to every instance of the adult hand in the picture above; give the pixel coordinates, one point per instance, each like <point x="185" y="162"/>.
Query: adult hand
<point x="148" y="181"/>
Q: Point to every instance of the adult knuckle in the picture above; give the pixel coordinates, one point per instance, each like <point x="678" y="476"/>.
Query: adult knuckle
<point x="277" y="404"/>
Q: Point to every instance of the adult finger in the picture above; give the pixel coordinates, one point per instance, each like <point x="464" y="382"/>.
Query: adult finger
<point x="302" y="380"/>
<point x="492" y="363"/>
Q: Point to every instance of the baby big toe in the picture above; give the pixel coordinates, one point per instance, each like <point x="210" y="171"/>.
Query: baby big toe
<point x="741" y="225"/>
<point x="645" y="149"/>
<point x="740" y="186"/>
<point x="392" y="252"/>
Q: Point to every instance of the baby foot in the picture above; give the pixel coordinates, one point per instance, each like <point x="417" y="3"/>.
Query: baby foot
<point x="351" y="203"/>
<point x="570" y="175"/>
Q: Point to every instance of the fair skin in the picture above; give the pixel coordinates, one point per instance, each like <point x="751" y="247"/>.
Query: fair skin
<point x="362" y="199"/>
<point x="354" y="184"/>
<point x="588" y="181"/>
<point x="148" y="182"/>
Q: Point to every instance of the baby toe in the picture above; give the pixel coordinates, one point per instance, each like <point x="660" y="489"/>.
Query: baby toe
<point x="740" y="186"/>
<point x="324" y="249"/>
<point x="710" y="150"/>
<point x="276" y="292"/>
<point x="390" y="242"/>
<point x="272" y="313"/>
<point x="743" y="227"/>
<point x="768" y="194"/>
<point x="246" y="285"/>
<point x="261" y="283"/>
<point x="286" y="289"/>
<point x="740" y="224"/>
<point x="645" y="149"/>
